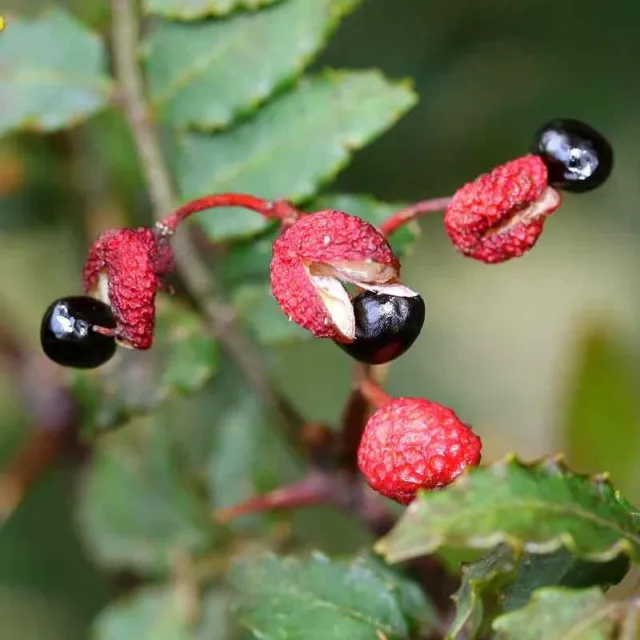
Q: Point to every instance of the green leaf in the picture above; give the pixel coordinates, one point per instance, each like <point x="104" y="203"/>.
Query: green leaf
<point x="157" y="612"/>
<point x="164" y="613"/>
<point x="194" y="9"/>
<point x="537" y="508"/>
<point x="479" y="579"/>
<point x="561" y="569"/>
<point x="52" y="73"/>
<point x="183" y="358"/>
<point x="317" y="598"/>
<point x="376" y="213"/>
<point x="602" y="424"/>
<point x="259" y="309"/>
<point x="139" y="505"/>
<point x="290" y="147"/>
<point x="560" y="614"/>
<point x="248" y="456"/>
<point x="501" y="582"/>
<point x="204" y="74"/>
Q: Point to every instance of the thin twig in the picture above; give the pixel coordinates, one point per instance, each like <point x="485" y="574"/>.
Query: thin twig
<point x="396" y="220"/>
<point x="193" y="272"/>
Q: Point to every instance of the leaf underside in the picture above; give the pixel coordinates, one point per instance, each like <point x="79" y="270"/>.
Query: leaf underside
<point x="194" y="9"/>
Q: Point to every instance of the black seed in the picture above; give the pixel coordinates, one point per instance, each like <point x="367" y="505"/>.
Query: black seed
<point x="386" y="326"/>
<point x="578" y="158"/>
<point x="67" y="334"/>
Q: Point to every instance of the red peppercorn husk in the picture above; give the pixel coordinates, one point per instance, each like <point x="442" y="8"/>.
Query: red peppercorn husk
<point x="501" y="214"/>
<point x="123" y="270"/>
<point x="317" y="252"/>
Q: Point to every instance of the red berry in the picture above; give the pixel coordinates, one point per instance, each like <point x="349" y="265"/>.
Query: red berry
<point x="123" y="270"/>
<point x="501" y="214"/>
<point x="413" y="443"/>
<point x="317" y="252"/>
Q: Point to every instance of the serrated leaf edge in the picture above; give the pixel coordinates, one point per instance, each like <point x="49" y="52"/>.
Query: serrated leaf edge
<point x="609" y="608"/>
<point x="209" y="12"/>
<point x="553" y="465"/>
<point x="336" y="13"/>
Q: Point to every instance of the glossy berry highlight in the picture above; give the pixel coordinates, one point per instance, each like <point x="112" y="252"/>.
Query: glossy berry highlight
<point x="386" y="326"/>
<point x="578" y="158"/>
<point x="501" y="214"/>
<point x="73" y="332"/>
<point x="411" y="444"/>
<point x="312" y="259"/>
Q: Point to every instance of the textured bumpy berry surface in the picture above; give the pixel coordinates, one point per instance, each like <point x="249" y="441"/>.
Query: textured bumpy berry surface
<point x="413" y="443"/>
<point x="483" y="218"/>
<point x="132" y="262"/>
<point x="321" y="238"/>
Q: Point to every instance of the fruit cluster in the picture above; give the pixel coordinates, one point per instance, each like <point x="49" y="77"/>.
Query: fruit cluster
<point x="317" y="259"/>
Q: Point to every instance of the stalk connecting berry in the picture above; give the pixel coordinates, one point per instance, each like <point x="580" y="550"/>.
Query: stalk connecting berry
<point x="578" y="157"/>
<point x="411" y="444"/>
<point x="78" y="332"/>
<point x="386" y="326"/>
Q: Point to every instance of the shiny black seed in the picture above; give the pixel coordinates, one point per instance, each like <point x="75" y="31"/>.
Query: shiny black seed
<point x="67" y="335"/>
<point x="386" y="326"/>
<point x="578" y="158"/>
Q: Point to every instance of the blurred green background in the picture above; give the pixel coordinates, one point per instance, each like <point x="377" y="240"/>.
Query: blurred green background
<point x="540" y="354"/>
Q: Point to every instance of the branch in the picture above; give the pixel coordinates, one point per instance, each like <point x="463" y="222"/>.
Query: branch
<point x="400" y="218"/>
<point x="194" y="273"/>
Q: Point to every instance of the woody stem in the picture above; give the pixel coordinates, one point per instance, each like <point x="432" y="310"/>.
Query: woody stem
<point x="400" y="218"/>
<point x="194" y="274"/>
<point x="317" y="487"/>
<point x="270" y="209"/>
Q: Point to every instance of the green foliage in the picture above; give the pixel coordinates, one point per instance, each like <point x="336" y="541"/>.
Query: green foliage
<point x="192" y="9"/>
<point x="181" y="361"/>
<point x="309" y="598"/>
<point x="167" y="613"/>
<point x="502" y="581"/>
<point x="237" y="114"/>
<point x="52" y="73"/>
<point x="557" y="614"/>
<point x="602" y="423"/>
<point x="537" y="508"/>
<point x="290" y="147"/>
<point x="204" y="74"/>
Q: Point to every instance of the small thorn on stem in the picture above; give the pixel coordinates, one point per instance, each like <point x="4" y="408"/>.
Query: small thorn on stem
<point x="373" y="392"/>
<point x="316" y="488"/>
<point x="402" y="217"/>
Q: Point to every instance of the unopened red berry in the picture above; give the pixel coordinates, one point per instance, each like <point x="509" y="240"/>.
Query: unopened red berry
<point x="316" y="254"/>
<point x="386" y="326"/>
<point x="501" y="214"/>
<point x="413" y="443"/>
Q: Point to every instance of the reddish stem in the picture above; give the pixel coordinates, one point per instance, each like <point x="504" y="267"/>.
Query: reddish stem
<point x="315" y="488"/>
<point x="400" y="218"/>
<point x="373" y="392"/>
<point x="270" y="209"/>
